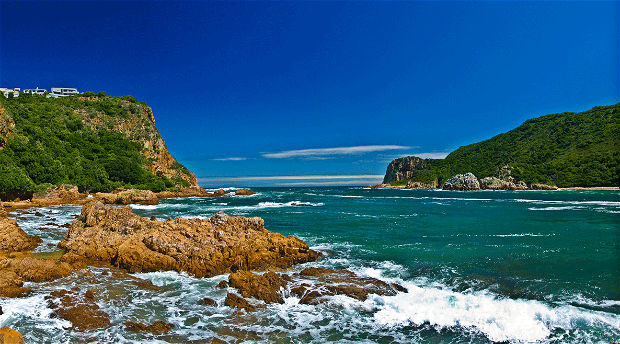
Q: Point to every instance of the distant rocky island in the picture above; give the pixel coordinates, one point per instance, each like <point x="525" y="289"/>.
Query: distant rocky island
<point x="563" y="150"/>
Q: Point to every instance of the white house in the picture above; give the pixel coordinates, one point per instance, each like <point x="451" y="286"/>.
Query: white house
<point x="57" y="92"/>
<point x="37" y="91"/>
<point x="7" y="91"/>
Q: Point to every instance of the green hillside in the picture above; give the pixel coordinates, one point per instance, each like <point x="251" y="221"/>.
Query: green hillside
<point x="93" y="141"/>
<point x="565" y="149"/>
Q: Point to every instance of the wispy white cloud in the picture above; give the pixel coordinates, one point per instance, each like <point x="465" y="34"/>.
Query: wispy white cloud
<point x="230" y="159"/>
<point x="322" y="152"/>
<point x="309" y="177"/>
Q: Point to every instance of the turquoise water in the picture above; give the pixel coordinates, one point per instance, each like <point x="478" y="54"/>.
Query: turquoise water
<point x="480" y="267"/>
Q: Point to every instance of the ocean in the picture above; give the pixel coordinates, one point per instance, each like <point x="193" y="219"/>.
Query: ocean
<point x="479" y="267"/>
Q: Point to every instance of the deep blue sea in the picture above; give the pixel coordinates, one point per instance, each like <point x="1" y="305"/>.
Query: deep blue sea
<point x="480" y="267"/>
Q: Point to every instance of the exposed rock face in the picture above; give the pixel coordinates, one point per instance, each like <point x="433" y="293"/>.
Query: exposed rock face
<point x="192" y="191"/>
<point x="10" y="336"/>
<point x="244" y="193"/>
<point x="543" y="187"/>
<point x="204" y="248"/>
<point x="13" y="238"/>
<point x="325" y="282"/>
<point x="493" y="183"/>
<point x="401" y="169"/>
<point x="14" y="272"/>
<point x="264" y="287"/>
<point x="133" y="196"/>
<point x="61" y="194"/>
<point x="79" y="309"/>
<point x="419" y="185"/>
<point x="158" y="327"/>
<point x="465" y="181"/>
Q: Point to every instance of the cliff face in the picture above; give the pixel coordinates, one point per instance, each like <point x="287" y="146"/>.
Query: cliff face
<point x="95" y="142"/>
<point x="565" y="149"/>
<point x="403" y="169"/>
<point x="138" y="127"/>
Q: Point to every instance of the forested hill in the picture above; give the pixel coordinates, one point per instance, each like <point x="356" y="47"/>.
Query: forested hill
<point x="565" y="149"/>
<point x="91" y="140"/>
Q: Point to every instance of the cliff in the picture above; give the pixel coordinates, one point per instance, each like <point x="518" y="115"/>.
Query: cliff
<point x="566" y="150"/>
<point x="96" y="142"/>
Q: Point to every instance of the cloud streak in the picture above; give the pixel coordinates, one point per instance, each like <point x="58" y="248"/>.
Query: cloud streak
<point x="323" y="152"/>
<point x="230" y="159"/>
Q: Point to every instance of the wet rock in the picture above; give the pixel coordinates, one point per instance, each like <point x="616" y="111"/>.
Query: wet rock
<point x="222" y="285"/>
<point x="464" y="182"/>
<point x="13" y="238"/>
<point x="264" y="287"/>
<point x="329" y="282"/>
<point x="244" y="192"/>
<point x="10" y="336"/>
<point x="81" y="311"/>
<point x="38" y="214"/>
<point x="158" y="327"/>
<point x="1" y="310"/>
<point x="14" y="272"/>
<point x="234" y="300"/>
<point x="204" y="248"/>
<point x="207" y="302"/>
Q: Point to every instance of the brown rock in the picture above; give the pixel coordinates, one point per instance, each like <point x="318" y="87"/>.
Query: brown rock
<point x="158" y="327"/>
<point x="234" y="300"/>
<point x="14" y="239"/>
<point x="61" y="194"/>
<point x="207" y="302"/>
<point x="133" y="196"/>
<point x="10" y="336"/>
<point x="420" y="185"/>
<point x="222" y="285"/>
<point x="263" y="287"/>
<point x="81" y="311"/>
<point x="328" y="282"/>
<point x="192" y="191"/>
<point x="204" y="248"/>
<point x="244" y="193"/>
<point x="543" y="187"/>
<point x="14" y="272"/>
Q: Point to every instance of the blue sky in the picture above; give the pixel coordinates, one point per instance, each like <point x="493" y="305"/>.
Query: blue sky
<point x="315" y="93"/>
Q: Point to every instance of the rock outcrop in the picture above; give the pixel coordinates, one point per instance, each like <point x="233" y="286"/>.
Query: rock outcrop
<point x="158" y="327"/>
<point x="10" y="336"/>
<point x="61" y="194"/>
<point x="420" y="185"/>
<point x="201" y="247"/>
<point x="192" y="191"/>
<point x="244" y="192"/>
<point x="493" y="183"/>
<point x="78" y="308"/>
<point x="132" y="196"/>
<point x="465" y="181"/>
<point x="13" y="238"/>
<point x="14" y="272"/>
<point x="543" y="187"/>
<point x="403" y="168"/>
<point x="311" y="285"/>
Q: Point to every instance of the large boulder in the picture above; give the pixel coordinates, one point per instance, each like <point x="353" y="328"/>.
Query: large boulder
<point x="61" y="194"/>
<point x="202" y="247"/>
<point x="10" y="336"/>
<point x="14" y="272"/>
<point x="465" y="181"/>
<point x="192" y="191"/>
<point x="244" y="192"/>
<point x="78" y="308"/>
<point x="132" y="196"/>
<point x="13" y="238"/>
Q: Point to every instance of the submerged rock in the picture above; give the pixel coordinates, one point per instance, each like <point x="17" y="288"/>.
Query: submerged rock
<point x="465" y="181"/>
<point x="77" y="308"/>
<point x="244" y="193"/>
<point x="204" y="248"/>
<point x="158" y="327"/>
<point x="234" y="300"/>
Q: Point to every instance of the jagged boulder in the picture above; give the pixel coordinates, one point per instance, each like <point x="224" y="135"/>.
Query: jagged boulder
<point x="61" y="194"/>
<point x="10" y="336"/>
<point x="465" y="181"/>
<point x="264" y="287"/>
<point x="543" y="187"/>
<point x="13" y="238"/>
<point x="132" y="196"/>
<point x="204" y="248"/>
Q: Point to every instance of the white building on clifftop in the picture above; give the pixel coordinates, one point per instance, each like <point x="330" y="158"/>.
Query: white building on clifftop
<point x="7" y="91"/>
<point x="57" y="92"/>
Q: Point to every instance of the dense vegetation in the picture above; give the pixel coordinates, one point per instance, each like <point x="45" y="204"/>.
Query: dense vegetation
<point x="565" y="149"/>
<point x="72" y="140"/>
